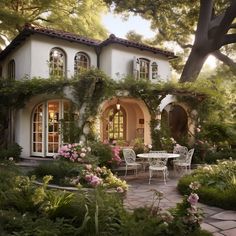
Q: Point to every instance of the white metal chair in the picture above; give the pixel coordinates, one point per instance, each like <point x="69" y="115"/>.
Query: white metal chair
<point x="158" y="164"/>
<point x="183" y="152"/>
<point x="130" y="160"/>
<point x="185" y="164"/>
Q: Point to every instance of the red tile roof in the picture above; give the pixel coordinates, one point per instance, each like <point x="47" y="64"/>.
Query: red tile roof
<point x="33" y="29"/>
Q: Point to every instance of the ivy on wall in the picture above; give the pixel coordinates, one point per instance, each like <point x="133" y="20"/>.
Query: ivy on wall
<point x="89" y="90"/>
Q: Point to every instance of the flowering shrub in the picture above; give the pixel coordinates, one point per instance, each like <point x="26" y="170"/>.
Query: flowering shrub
<point x="188" y="212"/>
<point x="184" y="219"/>
<point x="167" y="143"/>
<point x="116" y="155"/>
<point x="75" y="152"/>
<point x="103" y="177"/>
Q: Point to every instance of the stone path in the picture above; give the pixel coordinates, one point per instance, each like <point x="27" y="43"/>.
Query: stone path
<point x="218" y="221"/>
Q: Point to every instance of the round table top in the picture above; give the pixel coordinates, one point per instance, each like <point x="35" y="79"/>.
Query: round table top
<point x="158" y="155"/>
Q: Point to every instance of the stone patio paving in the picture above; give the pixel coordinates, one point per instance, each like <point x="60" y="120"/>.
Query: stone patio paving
<point x="218" y="221"/>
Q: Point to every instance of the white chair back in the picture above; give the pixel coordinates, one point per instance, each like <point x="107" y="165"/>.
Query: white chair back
<point x="129" y="155"/>
<point x="182" y="151"/>
<point x="157" y="162"/>
<point x="189" y="156"/>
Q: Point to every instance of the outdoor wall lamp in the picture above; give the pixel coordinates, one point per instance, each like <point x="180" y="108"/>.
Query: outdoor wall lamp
<point x="118" y="104"/>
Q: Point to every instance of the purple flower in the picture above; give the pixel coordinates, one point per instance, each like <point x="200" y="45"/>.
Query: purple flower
<point x="193" y="199"/>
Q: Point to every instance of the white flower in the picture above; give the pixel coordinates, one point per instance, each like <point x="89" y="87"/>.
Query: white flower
<point x="11" y="159"/>
<point x="82" y="154"/>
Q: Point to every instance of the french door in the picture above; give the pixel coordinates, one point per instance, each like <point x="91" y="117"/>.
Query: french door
<point x="46" y="133"/>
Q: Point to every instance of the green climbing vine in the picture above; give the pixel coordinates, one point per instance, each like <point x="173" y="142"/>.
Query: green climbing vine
<point x="88" y="91"/>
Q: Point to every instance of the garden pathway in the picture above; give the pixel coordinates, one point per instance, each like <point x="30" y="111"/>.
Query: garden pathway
<point x="218" y="221"/>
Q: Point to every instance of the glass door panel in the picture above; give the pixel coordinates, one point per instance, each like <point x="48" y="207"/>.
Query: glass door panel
<point x="53" y="112"/>
<point x="37" y="128"/>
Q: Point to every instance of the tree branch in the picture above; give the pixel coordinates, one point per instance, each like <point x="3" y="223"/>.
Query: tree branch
<point x="224" y="25"/>
<point x="233" y="26"/>
<point x="228" y="39"/>
<point x="226" y="60"/>
<point x="204" y="20"/>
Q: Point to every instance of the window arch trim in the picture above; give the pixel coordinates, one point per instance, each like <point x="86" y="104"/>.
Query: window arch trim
<point x="81" y="64"/>
<point x="144" y="70"/>
<point x="57" y="68"/>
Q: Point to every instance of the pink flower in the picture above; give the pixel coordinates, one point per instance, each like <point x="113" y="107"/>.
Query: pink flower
<point x="95" y="181"/>
<point x="193" y="199"/>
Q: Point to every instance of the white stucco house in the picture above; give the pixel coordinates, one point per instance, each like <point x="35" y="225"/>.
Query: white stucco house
<point x="42" y="52"/>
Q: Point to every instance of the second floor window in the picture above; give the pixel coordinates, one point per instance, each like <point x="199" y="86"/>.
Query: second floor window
<point x="144" y="68"/>
<point x="81" y="62"/>
<point x="11" y="70"/>
<point x="57" y="62"/>
<point x="154" y="70"/>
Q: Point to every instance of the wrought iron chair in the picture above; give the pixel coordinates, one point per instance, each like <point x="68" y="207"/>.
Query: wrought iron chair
<point x="158" y="164"/>
<point x="186" y="163"/>
<point x="183" y="152"/>
<point x="130" y="160"/>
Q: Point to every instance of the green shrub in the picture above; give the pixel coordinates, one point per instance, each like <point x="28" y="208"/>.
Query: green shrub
<point x="218" y="184"/>
<point x="102" y="152"/>
<point x="60" y="170"/>
<point x="13" y="150"/>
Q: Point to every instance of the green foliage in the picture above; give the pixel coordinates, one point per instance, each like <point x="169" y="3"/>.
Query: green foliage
<point x="61" y="170"/>
<point x="163" y="15"/>
<point x="102" y="152"/>
<point x="92" y="87"/>
<point x="82" y="17"/>
<point x="218" y="184"/>
<point x="13" y="150"/>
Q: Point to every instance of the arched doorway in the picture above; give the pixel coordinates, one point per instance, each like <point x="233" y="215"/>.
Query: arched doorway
<point x="115" y="124"/>
<point x="127" y="123"/>
<point x="46" y="134"/>
<point x="176" y="119"/>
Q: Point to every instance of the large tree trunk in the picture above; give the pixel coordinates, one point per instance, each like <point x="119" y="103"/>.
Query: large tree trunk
<point x="193" y="65"/>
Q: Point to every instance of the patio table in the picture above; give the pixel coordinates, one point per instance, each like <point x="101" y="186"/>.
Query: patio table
<point x="158" y="155"/>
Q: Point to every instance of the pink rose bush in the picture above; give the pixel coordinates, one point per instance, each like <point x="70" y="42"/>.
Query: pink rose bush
<point x="116" y="155"/>
<point x="75" y="152"/>
<point x="94" y="176"/>
<point x="186" y="216"/>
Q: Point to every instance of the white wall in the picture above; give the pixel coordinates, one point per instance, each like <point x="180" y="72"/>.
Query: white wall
<point x="121" y="60"/>
<point x="22" y="57"/>
<point x="106" y="60"/>
<point x="41" y="46"/>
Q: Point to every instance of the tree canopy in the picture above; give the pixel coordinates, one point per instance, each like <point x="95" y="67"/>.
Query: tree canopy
<point x="76" y="16"/>
<point x="211" y="22"/>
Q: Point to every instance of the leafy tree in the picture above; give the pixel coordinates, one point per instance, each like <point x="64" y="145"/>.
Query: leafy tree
<point x="211" y="22"/>
<point x="77" y="16"/>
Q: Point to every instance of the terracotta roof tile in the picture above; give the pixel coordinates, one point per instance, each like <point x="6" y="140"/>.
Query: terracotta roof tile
<point x="30" y="29"/>
<point x="113" y="39"/>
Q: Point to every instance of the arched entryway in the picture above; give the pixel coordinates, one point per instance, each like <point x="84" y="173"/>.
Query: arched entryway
<point x="176" y="119"/>
<point x="128" y="122"/>
<point x="46" y="136"/>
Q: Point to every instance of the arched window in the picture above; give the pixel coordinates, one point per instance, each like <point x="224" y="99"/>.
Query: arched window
<point x="11" y="70"/>
<point x="57" y="61"/>
<point x="81" y="62"/>
<point x="154" y="70"/>
<point x="117" y="121"/>
<point x="144" y="68"/>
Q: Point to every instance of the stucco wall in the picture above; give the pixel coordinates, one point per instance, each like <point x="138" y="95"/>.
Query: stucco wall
<point x="40" y="58"/>
<point x="120" y="60"/>
<point x="22" y="57"/>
